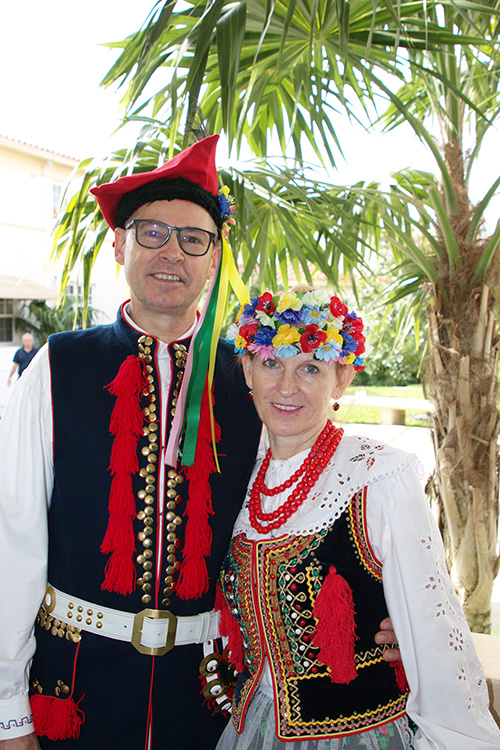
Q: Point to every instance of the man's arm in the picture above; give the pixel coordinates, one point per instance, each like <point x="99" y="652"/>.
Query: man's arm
<point x="11" y="373"/>
<point x="25" y="442"/>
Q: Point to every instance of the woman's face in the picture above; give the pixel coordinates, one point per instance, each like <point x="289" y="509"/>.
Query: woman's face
<point x="292" y="396"/>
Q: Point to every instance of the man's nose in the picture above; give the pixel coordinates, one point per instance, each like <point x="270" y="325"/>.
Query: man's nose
<point x="171" y="250"/>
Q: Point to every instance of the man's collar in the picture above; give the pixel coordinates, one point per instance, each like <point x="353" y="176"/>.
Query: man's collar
<point x="127" y="317"/>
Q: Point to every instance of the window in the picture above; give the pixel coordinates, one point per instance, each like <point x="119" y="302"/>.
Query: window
<point x="76" y="291"/>
<point x="6" y="320"/>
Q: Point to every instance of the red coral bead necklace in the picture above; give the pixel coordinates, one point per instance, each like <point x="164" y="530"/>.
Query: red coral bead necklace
<point x="306" y="475"/>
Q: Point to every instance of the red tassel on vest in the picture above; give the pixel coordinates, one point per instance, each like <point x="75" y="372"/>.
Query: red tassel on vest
<point x="193" y="575"/>
<point x="229" y="627"/>
<point x="56" y="718"/>
<point x="126" y="425"/>
<point x="335" y="628"/>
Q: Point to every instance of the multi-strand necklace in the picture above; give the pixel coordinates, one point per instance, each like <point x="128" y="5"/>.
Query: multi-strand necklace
<point x="306" y="476"/>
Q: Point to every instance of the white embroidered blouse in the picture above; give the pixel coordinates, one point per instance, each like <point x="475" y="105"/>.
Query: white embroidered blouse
<point x="448" y="694"/>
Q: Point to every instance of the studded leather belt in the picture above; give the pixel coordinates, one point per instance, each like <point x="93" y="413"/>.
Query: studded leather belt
<point x="151" y="631"/>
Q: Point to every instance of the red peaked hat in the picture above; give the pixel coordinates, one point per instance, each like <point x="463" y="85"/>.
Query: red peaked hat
<point x="196" y="163"/>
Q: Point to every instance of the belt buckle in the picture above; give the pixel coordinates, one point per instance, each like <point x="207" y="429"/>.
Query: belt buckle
<point x="154" y="614"/>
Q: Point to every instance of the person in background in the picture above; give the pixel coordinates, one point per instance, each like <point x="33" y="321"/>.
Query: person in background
<point x="336" y="533"/>
<point x="23" y="356"/>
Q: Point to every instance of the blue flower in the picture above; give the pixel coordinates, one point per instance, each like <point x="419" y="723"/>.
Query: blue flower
<point x="328" y="352"/>
<point x="287" y="351"/>
<point x="264" y="336"/>
<point x="248" y="312"/>
<point x="292" y="317"/>
<point x="350" y="344"/>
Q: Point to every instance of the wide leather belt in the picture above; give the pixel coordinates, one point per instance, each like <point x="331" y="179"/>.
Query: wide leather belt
<point x="151" y="631"/>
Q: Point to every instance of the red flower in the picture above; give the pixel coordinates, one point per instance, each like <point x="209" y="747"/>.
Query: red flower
<point x="337" y="308"/>
<point x="312" y="338"/>
<point x="248" y="332"/>
<point x="266" y="303"/>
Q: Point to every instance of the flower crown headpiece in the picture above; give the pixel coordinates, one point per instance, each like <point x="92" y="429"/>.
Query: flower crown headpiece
<point x="292" y="323"/>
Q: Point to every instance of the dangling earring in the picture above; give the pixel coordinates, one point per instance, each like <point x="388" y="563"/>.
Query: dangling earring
<point x="336" y="406"/>
<point x="250" y="394"/>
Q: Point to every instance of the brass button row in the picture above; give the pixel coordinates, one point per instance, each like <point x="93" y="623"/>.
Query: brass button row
<point x="148" y="472"/>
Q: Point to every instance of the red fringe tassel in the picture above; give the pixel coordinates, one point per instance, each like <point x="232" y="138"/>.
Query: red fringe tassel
<point x="193" y="575"/>
<point x="335" y="629"/>
<point x="401" y="680"/>
<point x="56" y="718"/>
<point x="229" y="627"/>
<point x="126" y="425"/>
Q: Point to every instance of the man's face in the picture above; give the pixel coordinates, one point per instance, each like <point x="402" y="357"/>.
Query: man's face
<point x="27" y="340"/>
<point x="166" y="281"/>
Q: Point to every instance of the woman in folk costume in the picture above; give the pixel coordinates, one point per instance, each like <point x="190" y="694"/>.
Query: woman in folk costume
<point x="335" y="533"/>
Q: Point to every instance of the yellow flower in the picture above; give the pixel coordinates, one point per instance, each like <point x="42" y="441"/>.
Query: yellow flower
<point x="350" y="359"/>
<point x="286" y="335"/>
<point x="240" y="342"/>
<point x="289" y="301"/>
<point x="332" y="334"/>
<point x="224" y="190"/>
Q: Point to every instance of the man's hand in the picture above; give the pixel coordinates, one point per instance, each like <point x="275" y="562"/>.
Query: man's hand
<point x="387" y="635"/>
<point x="28" y="742"/>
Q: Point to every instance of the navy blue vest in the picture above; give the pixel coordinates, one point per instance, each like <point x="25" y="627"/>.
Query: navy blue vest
<point x="114" y="677"/>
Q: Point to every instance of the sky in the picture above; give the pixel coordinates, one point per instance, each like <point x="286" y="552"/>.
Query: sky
<point x="52" y="64"/>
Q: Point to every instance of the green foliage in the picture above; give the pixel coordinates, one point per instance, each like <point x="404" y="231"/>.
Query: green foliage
<point x="40" y="319"/>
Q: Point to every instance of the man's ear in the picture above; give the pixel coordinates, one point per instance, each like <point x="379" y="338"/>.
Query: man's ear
<point x="214" y="262"/>
<point x="345" y="374"/>
<point x="119" y="246"/>
<point x="247" y="362"/>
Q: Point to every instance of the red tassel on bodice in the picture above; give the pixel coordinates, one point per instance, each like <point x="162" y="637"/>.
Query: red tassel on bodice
<point x="335" y="629"/>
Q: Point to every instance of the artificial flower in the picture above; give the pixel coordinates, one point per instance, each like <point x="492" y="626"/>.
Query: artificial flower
<point x="286" y="335"/>
<point x="266" y="304"/>
<point x="312" y="338"/>
<point x="248" y="331"/>
<point x="289" y="300"/>
<point x="264" y="352"/>
<point x="337" y="308"/>
<point x="328" y="352"/>
<point x="316" y="298"/>
<point x="287" y="350"/>
<point x="240" y="343"/>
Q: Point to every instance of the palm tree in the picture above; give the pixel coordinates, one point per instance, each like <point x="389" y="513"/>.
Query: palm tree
<point x="40" y="319"/>
<point x="274" y="75"/>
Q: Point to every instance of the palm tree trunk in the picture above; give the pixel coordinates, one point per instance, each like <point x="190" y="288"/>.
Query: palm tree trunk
<point x="462" y="382"/>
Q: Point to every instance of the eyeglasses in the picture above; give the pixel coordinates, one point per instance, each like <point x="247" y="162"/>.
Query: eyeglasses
<point x="155" y="234"/>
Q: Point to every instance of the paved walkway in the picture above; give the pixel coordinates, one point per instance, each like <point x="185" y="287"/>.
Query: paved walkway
<point x="418" y="440"/>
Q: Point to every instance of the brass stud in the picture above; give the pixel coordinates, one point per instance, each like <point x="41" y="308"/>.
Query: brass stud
<point x="88" y="621"/>
<point x="147" y="543"/>
<point x="98" y="625"/>
<point x="146" y="599"/>
<point x="70" y="605"/>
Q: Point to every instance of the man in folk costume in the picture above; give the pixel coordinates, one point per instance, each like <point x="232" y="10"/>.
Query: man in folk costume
<point x="139" y="438"/>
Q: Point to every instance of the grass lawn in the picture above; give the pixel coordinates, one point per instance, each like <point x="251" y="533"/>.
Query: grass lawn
<point x="371" y="415"/>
